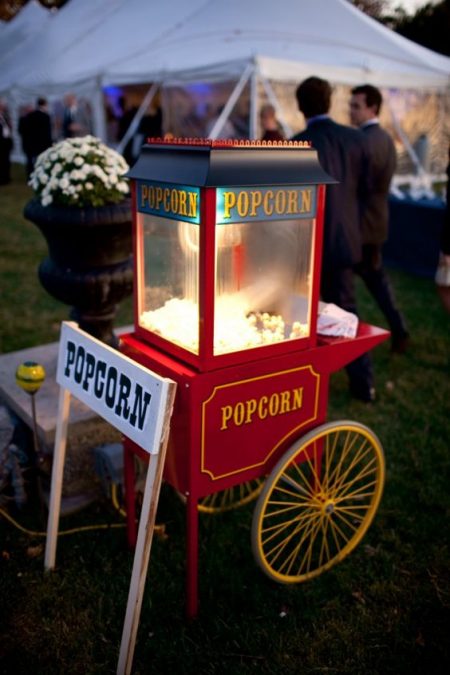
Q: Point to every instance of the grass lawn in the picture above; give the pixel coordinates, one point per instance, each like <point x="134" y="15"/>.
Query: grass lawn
<point x="385" y="609"/>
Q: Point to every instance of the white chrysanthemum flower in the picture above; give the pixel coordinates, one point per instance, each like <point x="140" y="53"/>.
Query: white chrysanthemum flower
<point x="80" y="171"/>
<point x="75" y="174"/>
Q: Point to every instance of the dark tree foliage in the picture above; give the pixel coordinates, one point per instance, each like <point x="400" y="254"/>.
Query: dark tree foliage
<point x="9" y="8"/>
<point x="374" y="8"/>
<point x="429" y="26"/>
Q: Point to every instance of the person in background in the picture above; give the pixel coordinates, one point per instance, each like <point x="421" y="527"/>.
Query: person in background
<point x="342" y="154"/>
<point x="24" y="111"/>
<point x="6" y="144"/>
<point x="442" y="277"/>
<point x="76" y="120"/>
<point x="270" y="126"/>
<point x="151" y="125"/>
<point x="365" y="105"/>
<point x="35" y="129"/>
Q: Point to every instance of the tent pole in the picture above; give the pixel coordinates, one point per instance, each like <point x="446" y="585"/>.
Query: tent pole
<point x="224" y="115"/>
<point x="148" y="98"/>
<point x="253" y="126"/>
<point x="99" y="121"/>
<point x="407" y="145"/>
<point x="274" y="101"/>
<point x="12" y="102"/>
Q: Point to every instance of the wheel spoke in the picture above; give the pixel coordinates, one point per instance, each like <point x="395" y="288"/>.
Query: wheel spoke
<point x="307" y="557"/>
<point x="279" y="527"/>
<point x="357" y="493"/>
<point x="334" y="524"/>
<point x="287" y="492"/>
<point x="343" y="476"/>
<point x="295" y="551"/>
<point x="345" y="520"/>
<point x="295" y="531"/>
<point x="329" y="459"/>
<point x="230" y="498"/>
<point x="288" y="506"/>
<point x="285" y="478"/>
<point x="324" y="546"/>
<point x="347" y="447"/>
<point x="364" y="473"/>
<point x="307" y="481"/>
<point x="318" y="483"/>
<point x="351" y="513"/>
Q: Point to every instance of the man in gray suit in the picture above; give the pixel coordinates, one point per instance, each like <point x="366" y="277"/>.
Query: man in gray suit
<point x="342" y="154"/>
<point x="365" y="105"/>
<point x="76" y="118"/>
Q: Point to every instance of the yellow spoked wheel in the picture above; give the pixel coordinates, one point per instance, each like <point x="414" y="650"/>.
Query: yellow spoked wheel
<point x="231" y="498"/>
<point x="318" y="501"/>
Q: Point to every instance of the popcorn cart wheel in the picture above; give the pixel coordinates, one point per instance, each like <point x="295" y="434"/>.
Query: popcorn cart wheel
<point x="229" y="499"/>
<point x="318" y="502"/>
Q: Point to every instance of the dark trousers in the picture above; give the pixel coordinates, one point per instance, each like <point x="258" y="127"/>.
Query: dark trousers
<point x="337" y="286"/>
<point x="5" y="162"/>
<point x="371" y="271"/>
<point x="30" y="164"/>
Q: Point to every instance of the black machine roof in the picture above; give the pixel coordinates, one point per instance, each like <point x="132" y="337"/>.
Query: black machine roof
<point x="214" y="163"/>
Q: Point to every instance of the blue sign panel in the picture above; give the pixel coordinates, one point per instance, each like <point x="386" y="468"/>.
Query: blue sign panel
<point x="178" y="202"/>
<point x="280" y="202"/>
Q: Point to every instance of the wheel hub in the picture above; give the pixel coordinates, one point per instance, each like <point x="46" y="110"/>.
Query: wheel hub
<point x="328" y="507"/>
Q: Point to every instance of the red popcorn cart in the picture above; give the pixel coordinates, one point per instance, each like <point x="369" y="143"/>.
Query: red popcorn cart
<point x="227" y="244"/>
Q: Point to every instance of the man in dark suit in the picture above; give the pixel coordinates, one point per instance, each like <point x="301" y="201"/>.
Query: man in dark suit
<point x="365" y="105"/>
<point x="35" y="129"/>
<point x="6" y="144"/>
<point x="342" y="154"/>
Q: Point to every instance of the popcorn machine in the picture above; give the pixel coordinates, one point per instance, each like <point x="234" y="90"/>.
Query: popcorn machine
<point x="227" y="243"/>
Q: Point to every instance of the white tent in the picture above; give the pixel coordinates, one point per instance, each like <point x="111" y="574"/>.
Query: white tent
<point x="251" y="41"/>
<point x="43" y="43"/>
<point x="144" y="41"/>
<point x="16" y="33"/>
<point x="133" y="26"/>
<point x="50" y="40"/>
<point x="286" y="40"/>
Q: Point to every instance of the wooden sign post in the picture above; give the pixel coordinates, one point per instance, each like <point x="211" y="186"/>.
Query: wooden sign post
<point x="138" y="403"/>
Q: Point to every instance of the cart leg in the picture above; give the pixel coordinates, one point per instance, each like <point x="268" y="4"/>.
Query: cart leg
<point x="191" y="558"/>
<point x="130" y="506"/>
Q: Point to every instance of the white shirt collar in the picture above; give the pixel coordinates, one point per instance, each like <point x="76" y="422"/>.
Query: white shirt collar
<point x="369" y="123"/>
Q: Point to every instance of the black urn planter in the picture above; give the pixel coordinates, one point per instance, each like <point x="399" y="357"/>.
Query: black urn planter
<point x="89" y="264"/>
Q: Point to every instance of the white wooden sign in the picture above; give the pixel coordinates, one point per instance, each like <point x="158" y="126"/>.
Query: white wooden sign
<point x="127" y="395"/>
<point x="139" y="403"/>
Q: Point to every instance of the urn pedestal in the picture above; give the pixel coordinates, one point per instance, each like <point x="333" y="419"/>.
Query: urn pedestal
<point x="89" y="264"/>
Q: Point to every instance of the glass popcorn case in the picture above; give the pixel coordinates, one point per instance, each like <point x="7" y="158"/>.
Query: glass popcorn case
<point x="227" y="243"/>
